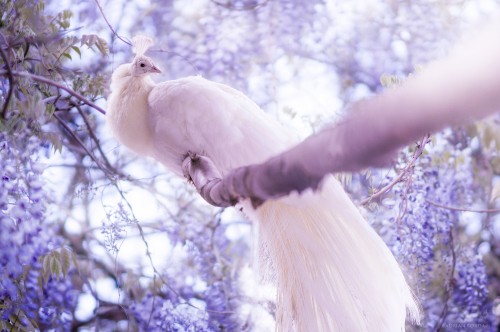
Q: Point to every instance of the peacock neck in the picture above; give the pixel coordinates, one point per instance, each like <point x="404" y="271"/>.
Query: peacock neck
<point x="129" y="119"/>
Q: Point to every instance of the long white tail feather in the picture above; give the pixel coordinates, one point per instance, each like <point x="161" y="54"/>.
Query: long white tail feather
<point x="325" y="255"/>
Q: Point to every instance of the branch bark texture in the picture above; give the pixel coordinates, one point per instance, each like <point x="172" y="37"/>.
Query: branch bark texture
<point x="463" y="87"/>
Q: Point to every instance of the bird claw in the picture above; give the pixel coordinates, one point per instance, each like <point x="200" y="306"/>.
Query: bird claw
<point x="187" y="165"/>
<point x="199" y="169"/>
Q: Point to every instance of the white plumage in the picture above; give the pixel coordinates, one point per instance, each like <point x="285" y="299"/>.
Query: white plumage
<point x="332" y="271"/>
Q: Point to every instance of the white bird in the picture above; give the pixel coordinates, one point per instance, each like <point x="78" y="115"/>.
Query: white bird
<point x="331" y="270"/>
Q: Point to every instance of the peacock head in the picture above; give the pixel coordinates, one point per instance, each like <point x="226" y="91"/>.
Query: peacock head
<point x="143" y="65"/>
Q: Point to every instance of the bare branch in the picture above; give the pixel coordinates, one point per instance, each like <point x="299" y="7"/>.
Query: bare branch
<point x="404" y="172"/>
<point x="57" y="85"/>
<point x="453" y="208"/>
<point x="450" y="285"/>
<point x="189" y="62"/>
<point x="106" y="311"/>
<point x="109" y="25"/>
<point x="252" y="5"/>
<point x="95" y="139"/>
<point x="90" y="154"/>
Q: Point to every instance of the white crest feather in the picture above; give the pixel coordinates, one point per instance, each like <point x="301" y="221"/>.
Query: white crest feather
<point x="141" y="44"/>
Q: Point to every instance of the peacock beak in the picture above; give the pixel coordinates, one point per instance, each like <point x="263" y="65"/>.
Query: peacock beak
<point x="155" y="69"/>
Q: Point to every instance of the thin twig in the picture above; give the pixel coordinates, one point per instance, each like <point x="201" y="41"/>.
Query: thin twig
<point x="398" y="179"/>
<point x="148" y="252"/>
<point x="152" y="50"/>
<point x="90" y="154"/>
<point x="57" y="85"/>
<point x="198" y="72"/>
<point x="150" y="258"/>
<point x="244" y="7"/>
<point x="72" y="166"/>
<point x="109" y="25"/>
<point x="450" y="285"/>
<point x="143" y="237"/>
<point x="15" y="321"/>
<point x="94" y="138"/>
<point x="453" y="208"/>
<point x="403" y="206"/>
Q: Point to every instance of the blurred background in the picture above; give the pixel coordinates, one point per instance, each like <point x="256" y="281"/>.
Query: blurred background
<point x="95" y="238"/>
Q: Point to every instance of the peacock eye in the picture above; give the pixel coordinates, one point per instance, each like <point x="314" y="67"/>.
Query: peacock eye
<point x="142" y="65"/>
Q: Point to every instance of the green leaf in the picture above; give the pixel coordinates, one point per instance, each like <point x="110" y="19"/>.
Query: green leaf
<point x="67" y="55"/>
<point x="495" y="193"/>
<point x="22" y="322"/>
<point x="57" y="263"/>
<point x="385" y="80"/>
<point x="98" y="42"/>
<point x="50" y="109"/>
<point x="389" y="81"/>
<point x="23" y="90"/>
<point x="77" y="50"/>
<point x="55" y="140"/>
<point x="56" y="254"/>
<point x="46" y="268"/>
<point x="40" y="282"/>
<point x="40" y="6"/>
<point x="67" y="14"/>
<point x="20" y="55"/>
<point x="102" y="46"/>
<point x="344" y="178"/>
<point x="54" y="267"/>
<point x="65" y="260"/>
<point x="73" y="259"/>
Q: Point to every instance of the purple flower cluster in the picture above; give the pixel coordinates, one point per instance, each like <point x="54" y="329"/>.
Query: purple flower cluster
<point x="26" y="298"/>
<point x="113" y="229"/>
<point x="445" y="269"/>
<point x="214" y="258"/>
<point x="202" y="295"/>
<point x="470" y="293"/>
<point x="157" y="314"/>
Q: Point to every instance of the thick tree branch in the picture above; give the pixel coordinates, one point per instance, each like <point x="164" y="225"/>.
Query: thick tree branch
<point x="461" y="88"/>
<point x="106" y="311"/>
